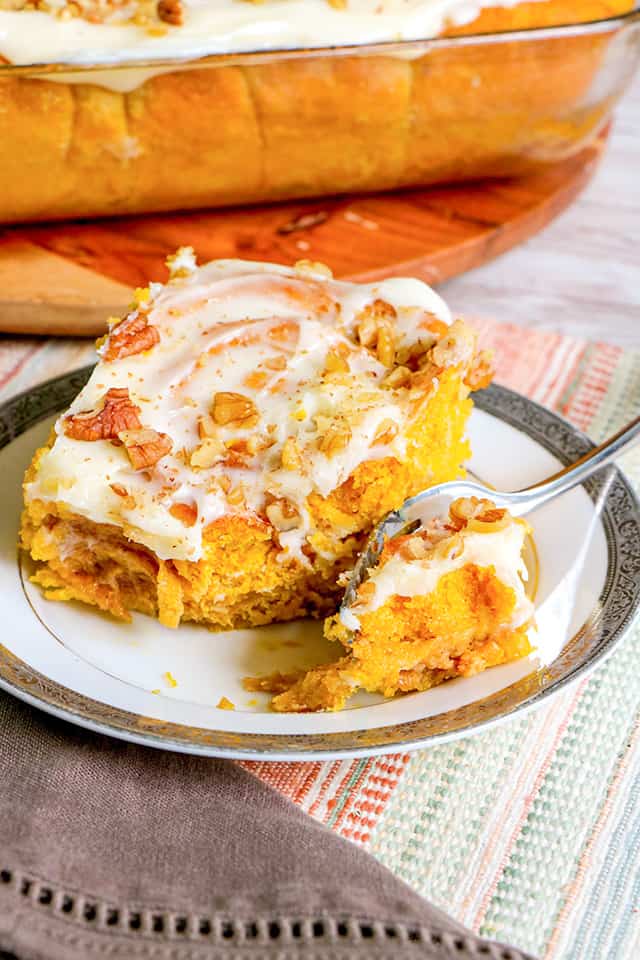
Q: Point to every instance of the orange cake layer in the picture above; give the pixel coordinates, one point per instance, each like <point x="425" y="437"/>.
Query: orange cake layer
<point x="448" y="601"/>
<point x="245" y="428"/>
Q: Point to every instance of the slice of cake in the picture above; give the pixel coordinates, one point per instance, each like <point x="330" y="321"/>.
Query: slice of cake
<point x="447" y="601"/>
<point x="246" y="426"/>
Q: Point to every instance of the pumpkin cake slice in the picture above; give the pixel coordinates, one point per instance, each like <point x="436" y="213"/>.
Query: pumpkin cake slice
<point x="246" y="426"/>
<point x="447" y="601"/>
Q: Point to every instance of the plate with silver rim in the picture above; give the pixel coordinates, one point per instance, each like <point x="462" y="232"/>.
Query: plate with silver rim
<point x="165" y="688"/>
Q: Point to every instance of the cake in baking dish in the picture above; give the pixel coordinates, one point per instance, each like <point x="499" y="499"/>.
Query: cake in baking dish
<point x="446" y="601"/>
<point x="246" y="426"/>
<point x="132" y="126"/>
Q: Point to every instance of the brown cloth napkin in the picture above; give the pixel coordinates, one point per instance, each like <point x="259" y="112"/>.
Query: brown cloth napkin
<point x="110" y="850"/>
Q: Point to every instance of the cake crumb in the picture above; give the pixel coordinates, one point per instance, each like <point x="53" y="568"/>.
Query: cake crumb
<point x="224" y="704"/>
<point x="170" y="679"/>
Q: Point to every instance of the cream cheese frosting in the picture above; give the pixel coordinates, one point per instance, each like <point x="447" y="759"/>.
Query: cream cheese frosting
<point x="400" y="576"/>
<point x="266" y="334"/>
<point x="224" y="26"/>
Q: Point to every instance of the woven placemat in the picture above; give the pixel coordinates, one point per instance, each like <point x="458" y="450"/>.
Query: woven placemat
<point x="528" y="833"/>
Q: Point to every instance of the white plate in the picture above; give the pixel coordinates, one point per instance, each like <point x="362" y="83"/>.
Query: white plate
<point x="83" y="666"/>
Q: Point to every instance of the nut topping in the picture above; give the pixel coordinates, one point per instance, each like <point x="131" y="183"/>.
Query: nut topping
<point x="291" y="457"/>
<point x="335" y="437"/>
<point x="386" y="432"/>
<point x="234" y="409"/>
<point x="456" y="348"/>
<point x="279" y="362"/>
<point x="186" y="513"/>
<point x="399" y="377"/>
<point x="335" y="362"/>
<point x="282" y="514"/>
<point x="132" y="335"/>
<point x="117" y="413"/>
<point x="375" y="329"/>
<point x="207" y="453"/>
<point x="171" y="11"/>
<point x="482" y="516"/>
<point x="145" y="447"/>
<point x="481" y="373"/>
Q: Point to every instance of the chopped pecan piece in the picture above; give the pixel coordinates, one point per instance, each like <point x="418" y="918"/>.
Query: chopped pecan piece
<point x="128" y="501"/>
<point x="335" y="362"/>
<point x="481" y="373"/>
<point x="399" y="377"/>
<point x="366" y="591"/>
<point x="207" y="453"/>
<point x="171" y="11"/>
<point x="234" y="408"/>
<point x="117" y="413"/>
<point x="279" y="362"/>
<point x="291" y="456"/>
<point x="132" y="335"/>
<point x="386" y="432"/>
<point x="282" y="514"/>
<point x="145" y="447"/>
<point x="186" y="513"/>
<point x="375" y="329"/>
<point x="477" y="514"/>
<point x="335" y="437"/>
<point x="456" y="348"/>
<point x="256" y="379"/>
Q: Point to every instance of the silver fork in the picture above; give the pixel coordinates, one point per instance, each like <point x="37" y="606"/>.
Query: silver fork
<point x="435" y="501"/>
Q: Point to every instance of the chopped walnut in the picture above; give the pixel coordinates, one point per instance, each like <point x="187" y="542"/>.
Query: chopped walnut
<point x="235" y="409"/>
<point x="282" y="514"/>
<point x="117" y="413"/>
<point x="186" y="513"/>
<point x="145" y="447"/>
<point x="132" y="335"/>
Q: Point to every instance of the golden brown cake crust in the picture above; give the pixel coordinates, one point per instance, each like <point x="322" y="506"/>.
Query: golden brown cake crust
<point x="247" y="135"/>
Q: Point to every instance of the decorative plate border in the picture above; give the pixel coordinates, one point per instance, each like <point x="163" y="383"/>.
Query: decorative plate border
<point x="613" y="614"/>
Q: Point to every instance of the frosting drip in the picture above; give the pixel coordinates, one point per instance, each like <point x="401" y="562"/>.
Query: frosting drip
<point x="225" y="26"/>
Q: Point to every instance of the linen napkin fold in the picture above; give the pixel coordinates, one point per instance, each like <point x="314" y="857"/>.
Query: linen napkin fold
<point x="112" y="850"/>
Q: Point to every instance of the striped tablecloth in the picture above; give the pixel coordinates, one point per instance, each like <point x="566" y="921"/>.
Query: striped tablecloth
<point x="529" y="833"/>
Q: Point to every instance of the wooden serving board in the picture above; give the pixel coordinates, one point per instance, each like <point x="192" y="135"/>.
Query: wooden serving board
<point x="65" y="279"/>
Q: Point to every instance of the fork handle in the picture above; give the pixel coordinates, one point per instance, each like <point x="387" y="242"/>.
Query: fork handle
<point x="576" y="473"/>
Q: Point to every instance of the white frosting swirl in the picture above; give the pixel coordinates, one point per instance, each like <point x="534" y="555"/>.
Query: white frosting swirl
<point x="260" y="330"/>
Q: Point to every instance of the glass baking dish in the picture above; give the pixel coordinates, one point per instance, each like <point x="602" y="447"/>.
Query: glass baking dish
<point x="267" y="126"/>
